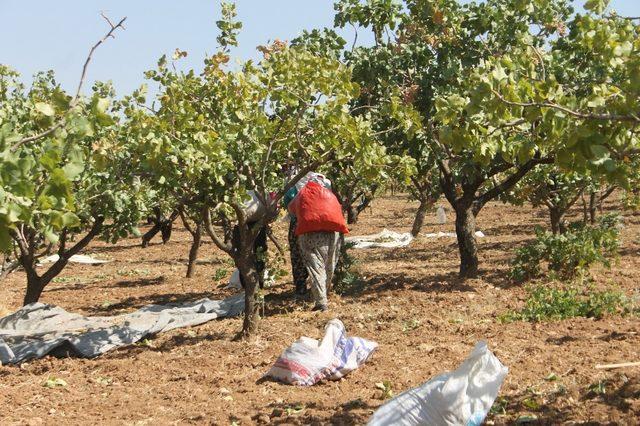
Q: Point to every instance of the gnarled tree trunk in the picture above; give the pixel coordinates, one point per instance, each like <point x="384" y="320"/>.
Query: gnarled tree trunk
<point x="36" y="283"/>
<point x="162" y="225"/>
<point x="467" y="246"/>
<point x="352" y="214"/>
<point x="421" y="213"/>
<point x="246" y="264"/>
<point x="193" y="252"/>
<point x="593" y="205"/>
<point x="556" y="216"/>
<point x="35" y="286"/>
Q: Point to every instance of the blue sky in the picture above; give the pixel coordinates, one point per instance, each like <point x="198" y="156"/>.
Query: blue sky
<point x="40" y="35"/>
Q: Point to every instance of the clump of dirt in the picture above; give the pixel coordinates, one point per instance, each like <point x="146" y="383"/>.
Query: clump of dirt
<point x="409" y="301"/>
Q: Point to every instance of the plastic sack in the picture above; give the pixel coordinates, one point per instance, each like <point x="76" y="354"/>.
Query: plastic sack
<point x="461" y="397"/>
<point x="313" y="177"/>
<point x="253" y="208"/>
<point x="317" y="209"/>
<point x="441" y="216"/>
<point x="308" y="361"/>
<point x="234" y="281"/>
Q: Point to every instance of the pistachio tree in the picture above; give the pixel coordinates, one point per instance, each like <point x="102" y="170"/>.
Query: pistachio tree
<point x="581" y="89"/>
<point x="428" y="57"/>
<point x="553" y="189"/>
<point x="224" y="132"/>
<point x="62" y="183"/>
<point x="386" y="75"/>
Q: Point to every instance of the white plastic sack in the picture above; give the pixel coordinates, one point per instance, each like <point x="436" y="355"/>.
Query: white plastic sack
<point x="234" y="281"/>
<point x="253" y="208"/>
<point x="313" y="177"/>
<point x="461" y="397"/>
<point x="308" y="361"/>
<point x="441" y="216"/>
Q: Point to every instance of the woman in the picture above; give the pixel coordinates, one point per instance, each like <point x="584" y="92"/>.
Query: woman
<point x="319" y="225"/>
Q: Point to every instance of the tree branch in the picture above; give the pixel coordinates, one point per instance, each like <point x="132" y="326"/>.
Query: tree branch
<point x="510" y="181"/>
<point x="206" y="214"/>
<point x="64" y="256"/>
<point x="95" y="46"/>
<point x="74" y="100"/>
<point x="273" y="238"/>
<point x="185" y="222"/>
<point x="604" y="117"/>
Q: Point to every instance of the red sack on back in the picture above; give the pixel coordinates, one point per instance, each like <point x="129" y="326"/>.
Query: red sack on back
<point x="317" y="210"/>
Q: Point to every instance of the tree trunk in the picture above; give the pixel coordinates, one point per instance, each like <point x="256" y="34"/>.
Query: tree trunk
<point x="418" y="221"/>
<point x="556" y="215"/>
<point x="465" y="230"/>
<point x="195" y="247"/>
<point x="36" y="283"/>
<point x="352" y="215"/>
<point x="585" y="211"/>
<point x="250" y="280"/>
<point x="592" y="208"/>
<point x="162" y="225"/>
<point x="35" y="286"/>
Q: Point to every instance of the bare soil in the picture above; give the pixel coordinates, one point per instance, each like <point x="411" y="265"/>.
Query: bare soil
<point x="425" y="320"/>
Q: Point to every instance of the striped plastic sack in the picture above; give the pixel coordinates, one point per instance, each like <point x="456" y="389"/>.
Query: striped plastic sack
<point x="308" y="361"/>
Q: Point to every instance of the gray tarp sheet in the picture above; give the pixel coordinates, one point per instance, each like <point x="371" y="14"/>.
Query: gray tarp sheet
<point x="37" y="329"/>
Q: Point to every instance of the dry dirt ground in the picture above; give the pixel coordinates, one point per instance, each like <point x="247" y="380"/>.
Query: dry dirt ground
<point x="425" y="320"/>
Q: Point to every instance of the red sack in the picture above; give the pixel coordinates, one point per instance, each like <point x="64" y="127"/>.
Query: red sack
<point x="317" y="210"/>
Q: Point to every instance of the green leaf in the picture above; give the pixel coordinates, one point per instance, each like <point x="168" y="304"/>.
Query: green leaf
<point x="70" y="220"/>
<point x="45" y="109"/>
<point x="5" y="240"/>
<point x="102" y="105"/>
<point x="76" y="165"/>
<point x="596" y="6"/>
<point x="50" y="235"/>
<point x="80" y="126"/>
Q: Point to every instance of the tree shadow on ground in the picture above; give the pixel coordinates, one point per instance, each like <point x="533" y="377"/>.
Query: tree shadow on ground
<point x="615" y="393"/>
<point x="559" y="341"/>
<point x="138" y="302"/>
<point x="549" y="409"/>
<point x="382" y="283"/>
<point x="353" y="412"/>
<point x="507" y="247"/>
<point x="82" y="285"/>
<point x="499" y="278"/>
<point x="513" y="409"/>
<point x="115" y="248"/>
<point x="402" y="254"/>
<point x="629" y="251"/>
<point x="143" y="282"/>
<point x="282" y="303"/>
<point x="506" y="230"/>
<point x="149" y="343"/>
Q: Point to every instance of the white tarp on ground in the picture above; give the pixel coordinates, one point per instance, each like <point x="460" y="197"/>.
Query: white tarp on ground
<point x="478" y="234"/>
<point x="385" y="239"/>
<point x="391" y="239"/>
<point x="37" y="329"/>
<point x="460" y="397"/>
<point x="76" y="258"/>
